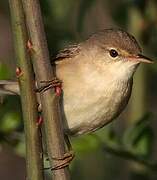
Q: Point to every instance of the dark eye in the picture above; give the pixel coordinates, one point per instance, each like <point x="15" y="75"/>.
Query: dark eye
<point x="113" y="53"/>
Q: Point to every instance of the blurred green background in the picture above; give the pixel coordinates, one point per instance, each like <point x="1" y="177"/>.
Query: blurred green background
<point x="125" y="149"/>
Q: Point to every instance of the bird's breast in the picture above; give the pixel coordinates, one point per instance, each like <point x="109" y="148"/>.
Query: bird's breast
<point x="88" y="108"/>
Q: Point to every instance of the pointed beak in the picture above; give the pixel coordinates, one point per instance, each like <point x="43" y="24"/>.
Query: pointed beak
<point x="144" y="59"/>
<point x="140" y="58"/>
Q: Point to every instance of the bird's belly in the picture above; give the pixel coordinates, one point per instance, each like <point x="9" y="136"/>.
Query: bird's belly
<point x="86" y="114"/>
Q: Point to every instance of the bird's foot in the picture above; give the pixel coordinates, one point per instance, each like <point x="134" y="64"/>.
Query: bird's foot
<point x="55" y="83"/>
<point x="62" y="161"/>
<point x="67" y="157"/>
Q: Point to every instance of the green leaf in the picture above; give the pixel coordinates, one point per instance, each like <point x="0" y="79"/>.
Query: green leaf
<point x="139" y="137"/>
<point x="9" y="122"/>
<point x="143" y="144"/>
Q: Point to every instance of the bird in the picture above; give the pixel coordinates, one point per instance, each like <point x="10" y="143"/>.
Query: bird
<point x="97" y="76"/>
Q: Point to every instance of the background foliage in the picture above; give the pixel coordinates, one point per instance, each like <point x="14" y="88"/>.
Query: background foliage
<point x="126" y="148"/>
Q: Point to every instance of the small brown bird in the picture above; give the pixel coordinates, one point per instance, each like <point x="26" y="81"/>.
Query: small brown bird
<point x="97" y="77"/>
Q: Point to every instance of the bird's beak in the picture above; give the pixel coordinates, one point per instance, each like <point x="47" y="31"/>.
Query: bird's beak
<point x="141" y="58"/>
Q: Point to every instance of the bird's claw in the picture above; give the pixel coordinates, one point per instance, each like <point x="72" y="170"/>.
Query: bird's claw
<point x="55" y="83"/>
<point x="63" y="161"/>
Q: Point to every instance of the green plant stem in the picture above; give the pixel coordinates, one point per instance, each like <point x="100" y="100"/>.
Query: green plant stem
<point x="34" y="161"/>
<point x="49" y="101"/>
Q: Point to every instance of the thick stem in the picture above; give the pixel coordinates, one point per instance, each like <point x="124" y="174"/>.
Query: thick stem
<point x="34" y="161"/>
<point x="49" y="101"/>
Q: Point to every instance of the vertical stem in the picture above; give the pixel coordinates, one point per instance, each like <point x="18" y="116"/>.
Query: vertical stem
<point x="34" y="162"/>
<point x="49" y="101"/>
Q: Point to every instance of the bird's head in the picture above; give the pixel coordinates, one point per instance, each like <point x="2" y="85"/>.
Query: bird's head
<point x="117" y="51"/>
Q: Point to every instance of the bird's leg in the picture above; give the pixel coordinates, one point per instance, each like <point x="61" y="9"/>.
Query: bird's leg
<point x="54" y="83"/>
<point x="68" y="143"/>
<point x="67" y="157"/>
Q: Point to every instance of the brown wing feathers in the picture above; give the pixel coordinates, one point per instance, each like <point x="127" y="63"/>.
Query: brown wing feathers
<point x="69" y="52"/>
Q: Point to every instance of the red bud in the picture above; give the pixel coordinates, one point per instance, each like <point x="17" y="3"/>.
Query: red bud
<point x="39" y="120"/>
<point x="18" y="71"/>
<point x="58" y="90"/>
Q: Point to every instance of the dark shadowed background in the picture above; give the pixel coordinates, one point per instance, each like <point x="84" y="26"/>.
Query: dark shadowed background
<point x="125" y="149"/>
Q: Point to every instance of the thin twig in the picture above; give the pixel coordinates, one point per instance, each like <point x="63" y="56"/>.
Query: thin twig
<point x="49" y="101"/>
<point x="34" y="161"/>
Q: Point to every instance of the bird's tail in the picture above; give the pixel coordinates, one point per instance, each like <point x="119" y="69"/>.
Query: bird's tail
<point x="8" y="87"/>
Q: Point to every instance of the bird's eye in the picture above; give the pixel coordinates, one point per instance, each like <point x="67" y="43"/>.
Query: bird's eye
<point x="113" y="53"/>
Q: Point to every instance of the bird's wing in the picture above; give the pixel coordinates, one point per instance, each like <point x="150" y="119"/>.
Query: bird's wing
<point x="69" y="52"/>
<point x="9" y="87"/>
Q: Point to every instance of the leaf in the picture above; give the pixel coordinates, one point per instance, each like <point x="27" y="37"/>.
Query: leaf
<point x="139" y="137"/>
<point x="10" y="114"/>
<point x="9" y="122"/>
<point x="143" y="144"/>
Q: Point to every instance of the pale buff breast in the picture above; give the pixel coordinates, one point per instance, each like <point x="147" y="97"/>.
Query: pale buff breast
<point x="89" y="104"/>
<point x="94" y="114"/>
